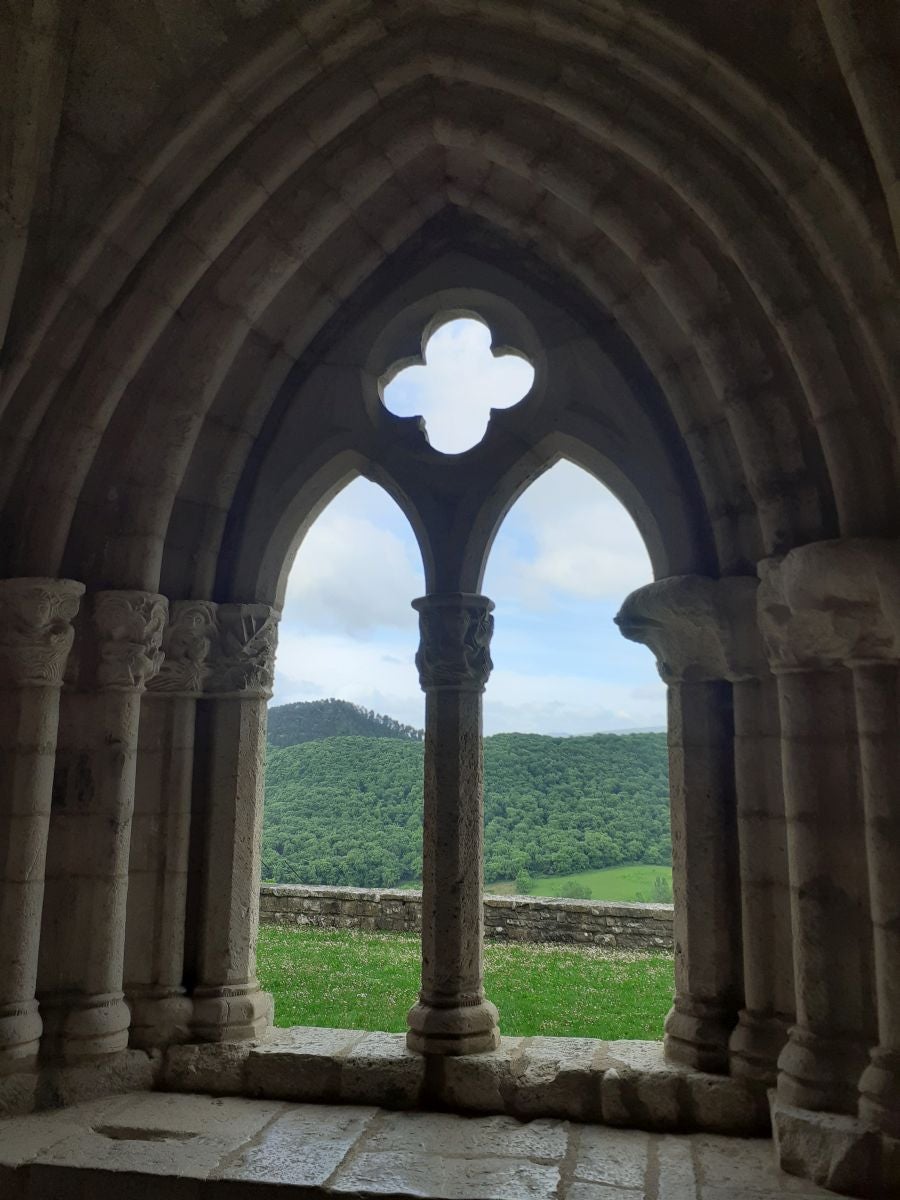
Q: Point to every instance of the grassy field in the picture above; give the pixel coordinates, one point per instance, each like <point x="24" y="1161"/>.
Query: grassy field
<point x="612" y="883"/>
<point x="340" y="979"/>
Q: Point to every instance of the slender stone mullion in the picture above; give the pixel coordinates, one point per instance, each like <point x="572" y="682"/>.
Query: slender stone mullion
<point x="704" y="871"/>
<point x="827" y="1047"/>
<point x="768" y="1010"/>
<point x="877" y="688"/>
<point x="157" y="873"/>
<point x="453" y="1015"/>
<point x="35" y="639"/>
<point x="158" y="868"/>
<point x="83" y="930"/>
<point x="228" y="1004"/>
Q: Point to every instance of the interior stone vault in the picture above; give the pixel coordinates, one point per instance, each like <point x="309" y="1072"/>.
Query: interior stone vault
<point x="225" y="224"/>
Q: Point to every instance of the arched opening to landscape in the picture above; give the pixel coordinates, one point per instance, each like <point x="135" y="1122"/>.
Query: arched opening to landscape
<point x="343" y="803"/>
<point x="576" y="770"/>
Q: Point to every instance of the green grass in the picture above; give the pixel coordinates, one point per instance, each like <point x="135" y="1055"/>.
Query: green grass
<point x="342" y="979"/>
<point x="612" y="883"/>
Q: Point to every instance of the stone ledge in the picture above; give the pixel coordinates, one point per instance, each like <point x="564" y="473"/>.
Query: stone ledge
<point x="624" y="1083"/>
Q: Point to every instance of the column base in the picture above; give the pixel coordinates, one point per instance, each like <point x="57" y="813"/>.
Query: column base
<point x="464" y="1029"/>
<point x="820" y="1074"/>
<point x="835" y="1151"/>
<point x="696" y="1035"/>
<point x="20" y="1034"/>
<point x="159" y="1017"/>
<point x="879" y="1088"/>
<point x="79" y="1027"/>
<point x="238" y="1013"/>
<point x="755" y="1044"/>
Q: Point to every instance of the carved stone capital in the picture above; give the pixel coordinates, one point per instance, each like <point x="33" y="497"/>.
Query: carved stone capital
<point x="455" y="631"/>
<point x="832" y="603"/>
<point x="243" y="654"/>
<point x="129" y="628"/>
<point x="187" y="644"/>
<point x="36" y="631"/>
<point x="699" y="629"/>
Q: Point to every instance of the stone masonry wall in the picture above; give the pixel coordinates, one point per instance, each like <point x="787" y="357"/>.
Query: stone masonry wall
<point x="506" y="918"/>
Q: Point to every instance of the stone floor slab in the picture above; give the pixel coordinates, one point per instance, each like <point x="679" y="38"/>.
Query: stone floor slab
<point x="612" y="1156"/>
<point x="162" y="1134"/>
<point x="454" y="1136"/>
<point x="302" y="1147"/>
<point x="176" y="1146"/>
<point x="405" y="1173"/>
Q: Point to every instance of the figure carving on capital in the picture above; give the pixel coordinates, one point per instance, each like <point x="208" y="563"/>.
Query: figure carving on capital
<point x="187" y="644"/>
<point x="130" y="627"/>
<point x="36" y="630"/>
<point x="454" y="641"/>
<point x="243" y="658"/>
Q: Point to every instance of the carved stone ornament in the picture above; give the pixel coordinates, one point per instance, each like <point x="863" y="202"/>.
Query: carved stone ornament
<point x="832" y="603"/>
<point x="129" y="628"/>
<point x="243" y="658"/>
<point x="455" y="632"/>
<point x="187" y="644"/>
<point x="700" y="629"/>
<point x="36" y="631"/>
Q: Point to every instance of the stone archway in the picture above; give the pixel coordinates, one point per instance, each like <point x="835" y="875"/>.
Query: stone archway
<point x="709" y="277"/>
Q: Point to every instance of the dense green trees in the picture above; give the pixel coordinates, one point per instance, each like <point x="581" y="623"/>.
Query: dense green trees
<point x="348" y="810"/>
<point x="310" y="720"/>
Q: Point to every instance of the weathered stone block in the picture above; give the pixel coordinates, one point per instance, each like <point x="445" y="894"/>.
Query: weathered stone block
<point x="300" y="1064"/>
<point x="556" y="1077"/>
<point x="380" y="1069"/>
<point x="480" y="1082"/>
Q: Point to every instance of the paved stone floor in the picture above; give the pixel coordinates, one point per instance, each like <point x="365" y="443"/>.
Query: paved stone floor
<point x="147" y="1145"/>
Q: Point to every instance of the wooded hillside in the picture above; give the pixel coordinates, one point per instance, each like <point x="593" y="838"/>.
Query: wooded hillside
<point x="310" y="720"/>
<point x="348" y="810"/>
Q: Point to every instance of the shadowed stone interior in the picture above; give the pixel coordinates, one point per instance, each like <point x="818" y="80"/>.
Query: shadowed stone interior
<point x="222" y="224"/>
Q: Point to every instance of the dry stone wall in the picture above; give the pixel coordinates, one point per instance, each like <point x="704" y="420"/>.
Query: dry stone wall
<point x="506" y="918"/>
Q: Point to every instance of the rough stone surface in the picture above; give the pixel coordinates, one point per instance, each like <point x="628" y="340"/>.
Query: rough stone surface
<point x="224" y="225"/>
<point x="158" y="1146"/>
<point x="506" y="918"/>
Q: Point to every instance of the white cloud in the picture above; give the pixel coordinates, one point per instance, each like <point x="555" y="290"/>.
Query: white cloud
<point x="582" y="544"/>
<point x="459" y="385"/>
<point x="352" y="574"/>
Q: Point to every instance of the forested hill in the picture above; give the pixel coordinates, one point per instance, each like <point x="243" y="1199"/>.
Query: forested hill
<point x="348" y="810"/>
<point x="310" y="720"/>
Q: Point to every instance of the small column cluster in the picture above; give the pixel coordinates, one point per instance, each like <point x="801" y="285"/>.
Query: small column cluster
<point x="733" y="975"/>
<point x="784" y="703"/>
<point x="131" y="784"/>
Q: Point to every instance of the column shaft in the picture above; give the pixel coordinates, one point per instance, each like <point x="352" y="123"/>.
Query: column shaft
<point x="229" y="782"/>
<point x="878" y="715"/>
<point x="35" y="639"/>
<point x="704" y="868"/>
<point x="768" y="1009"/>
<point x="452" y="1015"/>
<point x="157" y="873"/>
<point x="826" y="1050"/>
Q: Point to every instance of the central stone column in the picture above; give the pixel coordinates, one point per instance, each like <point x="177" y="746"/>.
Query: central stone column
<point x="35" y="639"/>
<point x="229" y="776"/>
<point x="452" y="1015"/>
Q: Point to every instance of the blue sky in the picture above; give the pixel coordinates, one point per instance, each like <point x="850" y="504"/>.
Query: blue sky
<point x="563" y="560"/>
